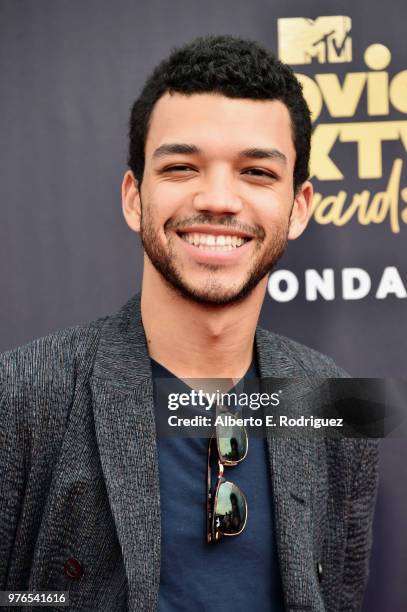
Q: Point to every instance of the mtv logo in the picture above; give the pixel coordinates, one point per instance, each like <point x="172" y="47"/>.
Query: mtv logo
<point x="325" y="39"/>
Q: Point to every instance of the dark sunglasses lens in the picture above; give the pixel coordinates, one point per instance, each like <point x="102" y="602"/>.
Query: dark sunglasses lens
<point x="230" y="509"/>
<point x="232" y="442"/>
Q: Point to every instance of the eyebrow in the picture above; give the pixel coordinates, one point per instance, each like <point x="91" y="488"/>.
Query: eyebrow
<point x="256" y="153"/>
<point x="189" y="149"/>
<point x="176" y="148"/>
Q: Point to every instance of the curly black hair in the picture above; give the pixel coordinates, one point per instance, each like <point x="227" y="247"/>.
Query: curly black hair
<point x="233" y="67"/>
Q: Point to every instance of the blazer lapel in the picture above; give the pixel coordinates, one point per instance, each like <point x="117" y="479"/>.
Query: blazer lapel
<point x="126" y="436"/>
<point x="291" y="462"/>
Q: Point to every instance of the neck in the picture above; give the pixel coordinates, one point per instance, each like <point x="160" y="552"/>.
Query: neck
<point x="194" y="340"/>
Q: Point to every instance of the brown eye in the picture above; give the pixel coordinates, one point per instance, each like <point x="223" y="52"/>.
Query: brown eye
<point x="178" y="168"/>
<point x="259" y="172"/>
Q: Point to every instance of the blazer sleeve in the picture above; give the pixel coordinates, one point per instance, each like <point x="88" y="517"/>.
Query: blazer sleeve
<point x="359" y="527"/>
<point x="12" y="478"/>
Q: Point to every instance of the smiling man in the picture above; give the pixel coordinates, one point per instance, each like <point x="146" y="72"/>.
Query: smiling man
<point x="91" y="502"/>
<point x="218" y="195"/>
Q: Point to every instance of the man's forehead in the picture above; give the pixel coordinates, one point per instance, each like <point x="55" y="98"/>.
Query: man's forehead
<point x="210" y="117"/>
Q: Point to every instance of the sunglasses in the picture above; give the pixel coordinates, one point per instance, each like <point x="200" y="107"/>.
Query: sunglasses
<point x="226" y="503"/>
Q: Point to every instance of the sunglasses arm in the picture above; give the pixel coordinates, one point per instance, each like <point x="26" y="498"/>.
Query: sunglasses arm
<point x="209" y="495"/>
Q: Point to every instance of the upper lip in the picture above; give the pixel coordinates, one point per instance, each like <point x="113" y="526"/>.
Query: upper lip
<point x="215" y="230"/>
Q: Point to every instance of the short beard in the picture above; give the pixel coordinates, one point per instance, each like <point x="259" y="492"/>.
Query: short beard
<point x="213" y="294"/>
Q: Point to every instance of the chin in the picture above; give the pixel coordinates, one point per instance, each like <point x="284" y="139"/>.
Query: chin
<point x="219" y="296"/>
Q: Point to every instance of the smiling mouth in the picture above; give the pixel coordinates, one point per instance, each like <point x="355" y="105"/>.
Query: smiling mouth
<point x="214" y="242"/>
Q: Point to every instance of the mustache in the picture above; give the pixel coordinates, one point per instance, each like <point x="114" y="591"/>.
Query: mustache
<point x="225" y="220"/>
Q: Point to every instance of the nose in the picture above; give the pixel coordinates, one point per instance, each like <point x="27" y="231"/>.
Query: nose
<point x="217" y="195"/>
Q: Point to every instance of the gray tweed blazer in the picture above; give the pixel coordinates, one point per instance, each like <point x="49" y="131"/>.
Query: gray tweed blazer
<point x="79" y="476"/>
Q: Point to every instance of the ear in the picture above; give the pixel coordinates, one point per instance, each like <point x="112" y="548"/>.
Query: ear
<point x="131" y="203"/>
<point x="301" y="211"/>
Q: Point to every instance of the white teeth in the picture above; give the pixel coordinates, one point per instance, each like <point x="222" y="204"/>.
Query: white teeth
<point x="215" y="248"/>
<point x="214" y="242"/>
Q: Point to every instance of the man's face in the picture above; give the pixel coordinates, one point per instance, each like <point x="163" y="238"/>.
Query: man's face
<point x="217" y="193"/>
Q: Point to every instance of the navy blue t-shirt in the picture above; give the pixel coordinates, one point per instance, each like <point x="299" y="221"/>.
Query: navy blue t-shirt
<point x="238" y="573"/>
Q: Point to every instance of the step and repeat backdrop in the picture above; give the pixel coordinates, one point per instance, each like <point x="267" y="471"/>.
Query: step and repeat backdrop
<point x="70" y="71"/>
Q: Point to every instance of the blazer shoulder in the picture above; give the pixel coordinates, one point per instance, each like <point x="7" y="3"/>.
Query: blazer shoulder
<point x="304" y="358"/>
<point x="51" y="362"/>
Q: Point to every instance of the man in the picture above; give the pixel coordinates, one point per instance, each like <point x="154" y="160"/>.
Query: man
<point x="91" y="503"/>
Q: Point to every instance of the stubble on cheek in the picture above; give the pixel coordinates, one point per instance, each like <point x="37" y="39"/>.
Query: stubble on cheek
<point x="161" y="256"/>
